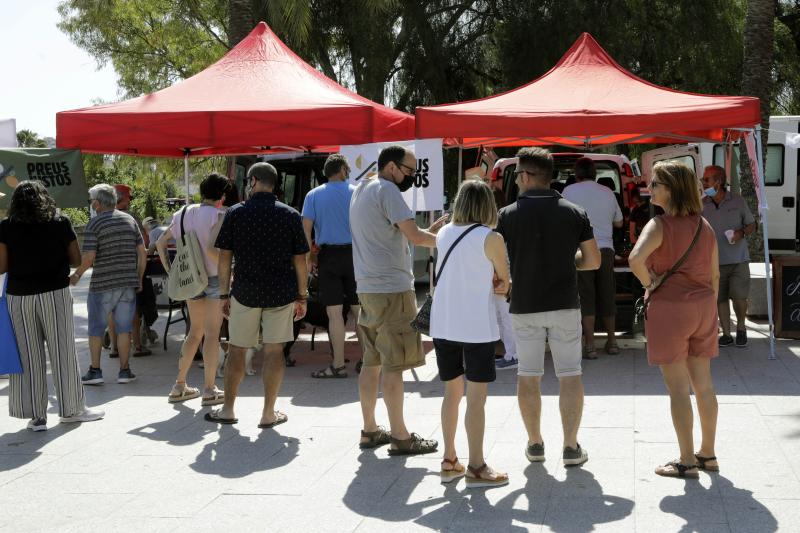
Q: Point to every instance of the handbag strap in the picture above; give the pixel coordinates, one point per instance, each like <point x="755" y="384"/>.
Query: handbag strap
<point x="183" y="231"/>
<point x="447" y="255"/>
<point x="680" y="261"/>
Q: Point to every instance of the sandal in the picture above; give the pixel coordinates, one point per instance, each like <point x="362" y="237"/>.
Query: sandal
<point x="414" y="445"/>
<point x="330" y="372"/>
<point x="455" y="472"/>
<point x="677" y="469"/>
<point x="478" y="479"/>
<point x="611" y="348"/>
<point x="183" y="394"/>
<point x="701" y="463"/>
<point x="213" y="416"/>
<point x="280" y="418"/>
<point x="215" y="397"/>
<point x="590" y="354"/>
<point x="376" y="438"/>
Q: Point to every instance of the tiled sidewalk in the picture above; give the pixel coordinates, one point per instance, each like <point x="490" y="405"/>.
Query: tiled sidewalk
<point x="153" y="466"/>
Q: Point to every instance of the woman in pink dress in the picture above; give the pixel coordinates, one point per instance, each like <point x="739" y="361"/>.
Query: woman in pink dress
<point x="681" y="319"/>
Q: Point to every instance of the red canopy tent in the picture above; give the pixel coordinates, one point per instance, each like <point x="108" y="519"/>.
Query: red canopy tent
<point x="259" y="97"/>
<point x="587" y="99"/>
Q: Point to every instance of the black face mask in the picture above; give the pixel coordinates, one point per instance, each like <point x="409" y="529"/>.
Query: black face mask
<point x="407" y="183"/>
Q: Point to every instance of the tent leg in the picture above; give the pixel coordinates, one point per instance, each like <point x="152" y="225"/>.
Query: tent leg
<point x="764" y="223"/>
<point x="186" y="175"/>
<point x="430" y="257"/>
<point x="460" y="166"/>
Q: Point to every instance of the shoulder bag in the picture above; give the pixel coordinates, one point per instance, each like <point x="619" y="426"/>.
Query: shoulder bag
<point x="187" y="275"/>
<point x="640" y="307"/>
<point x="9" y="352"/>
<point x="422" y="322"/>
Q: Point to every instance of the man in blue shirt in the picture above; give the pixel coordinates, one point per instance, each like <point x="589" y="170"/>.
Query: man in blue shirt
<point x="326" y="211"/>
<point x="269" y="293"/>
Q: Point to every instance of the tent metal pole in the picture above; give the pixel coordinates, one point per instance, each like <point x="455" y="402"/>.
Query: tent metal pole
<point x="763" y="208"/>
<point x="186" y="173"/>
<point x="460" y="165"/>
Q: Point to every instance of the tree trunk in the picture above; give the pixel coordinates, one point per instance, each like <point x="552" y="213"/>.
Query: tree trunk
<point x="240" y="20"/>
<point x="757" y="81"/>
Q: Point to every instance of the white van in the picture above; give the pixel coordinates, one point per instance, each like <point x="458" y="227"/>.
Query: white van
<point x="780" y="177"/>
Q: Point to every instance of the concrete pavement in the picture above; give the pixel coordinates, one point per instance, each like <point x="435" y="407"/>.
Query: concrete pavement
<point x="154" y="466"/>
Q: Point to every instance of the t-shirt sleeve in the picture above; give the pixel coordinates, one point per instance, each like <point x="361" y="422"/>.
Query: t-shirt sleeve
<point x="90" y="237"/>
<point x="501" y="224"/>
<point x="225" y="236"/>
<point x="3" y="224"/>
<point x="175" y="225"/>
<point x="394" y="207"/>
<point x="139" y="239"/>
<point x="309" y="209"/>
<point x="68" y="234"/>
<point x="586" y="232"/>
<point x="299" y="242"/>
<point x="747" y="216"/>
<point x="617" y="210"/>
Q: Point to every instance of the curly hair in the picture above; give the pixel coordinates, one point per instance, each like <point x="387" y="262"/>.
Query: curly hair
<point x="31" y="203"/>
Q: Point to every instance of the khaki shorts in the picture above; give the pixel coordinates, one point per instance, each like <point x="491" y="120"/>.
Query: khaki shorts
<point x="561" y="329"/>
<point x="734" y="282"/>
<point x="276" y="324"/>
<point x="388" y="339"/>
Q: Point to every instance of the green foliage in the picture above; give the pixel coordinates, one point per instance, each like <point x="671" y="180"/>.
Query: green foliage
<point x="30" y="139"/>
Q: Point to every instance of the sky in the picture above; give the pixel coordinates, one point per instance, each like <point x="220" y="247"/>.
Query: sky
<point x="42" y="71"/>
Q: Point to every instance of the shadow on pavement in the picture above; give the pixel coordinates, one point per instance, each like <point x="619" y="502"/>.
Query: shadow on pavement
<point x="235" y="456"/>
<point x="185" y="428"/>
<point x="22" y="447"/>
<point x="745" y="511"/>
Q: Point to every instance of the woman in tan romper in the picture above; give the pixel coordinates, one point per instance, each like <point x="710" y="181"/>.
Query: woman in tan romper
<point x="681" y="320"/>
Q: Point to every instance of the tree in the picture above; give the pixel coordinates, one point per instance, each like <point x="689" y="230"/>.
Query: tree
<point x="240" y="20"/>
<point x="757" y="81"/>
<point x="30" y="139"/>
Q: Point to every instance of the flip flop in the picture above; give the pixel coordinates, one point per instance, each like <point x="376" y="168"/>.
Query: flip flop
<point x="280" y="419"/>
<point x="213" y="416"/>
<point x="331" y="372"/>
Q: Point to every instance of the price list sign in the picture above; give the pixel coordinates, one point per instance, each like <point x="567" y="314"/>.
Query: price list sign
<point x="787" y="296"/>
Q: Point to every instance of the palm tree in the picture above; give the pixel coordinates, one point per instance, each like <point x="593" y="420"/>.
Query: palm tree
<point x="757" y="81"/>
<point x="240" y="20"/>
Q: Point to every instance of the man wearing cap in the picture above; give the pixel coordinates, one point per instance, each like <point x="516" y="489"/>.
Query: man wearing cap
<point x="326" y="211"/>
<point x="728" y="214"/>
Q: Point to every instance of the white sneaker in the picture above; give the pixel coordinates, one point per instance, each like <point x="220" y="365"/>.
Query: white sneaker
<point x="37" y="424"/>
<point x="87" y="415"/>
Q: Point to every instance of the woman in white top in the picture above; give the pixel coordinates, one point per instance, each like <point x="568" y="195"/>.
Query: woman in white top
<point x="205" y="313"/>
<point x="464" y="326"/>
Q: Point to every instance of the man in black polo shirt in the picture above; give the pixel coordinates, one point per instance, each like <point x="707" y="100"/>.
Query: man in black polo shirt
<point x="270" y="287"/>
<point x="548" y="239"/>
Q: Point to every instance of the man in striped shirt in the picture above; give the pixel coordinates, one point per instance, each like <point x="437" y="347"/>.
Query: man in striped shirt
<point x="114" y="248"/>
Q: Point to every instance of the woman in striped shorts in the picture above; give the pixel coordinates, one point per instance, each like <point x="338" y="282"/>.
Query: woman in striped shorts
<point x="37" y="248"/>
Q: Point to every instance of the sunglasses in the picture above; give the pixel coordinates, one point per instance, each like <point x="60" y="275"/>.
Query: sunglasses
<point x="412" y="169"/>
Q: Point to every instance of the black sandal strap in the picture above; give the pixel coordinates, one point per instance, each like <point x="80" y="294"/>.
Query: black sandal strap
<point x="680" y="467"/>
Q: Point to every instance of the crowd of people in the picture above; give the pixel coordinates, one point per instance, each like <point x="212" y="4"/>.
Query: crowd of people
<point x="492" y="281"/>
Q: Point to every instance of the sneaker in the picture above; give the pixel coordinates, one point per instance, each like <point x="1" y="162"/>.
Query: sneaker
<point x="93" y="377"/>
<point x="502" y="364"/>
<point x="125" y="376"/>
<point x="725" y="340"/>
<point x="535" y="453"/>
<point x="38" y="424"/>
<point x="87" y="415"/>
<point x="741" y="339"/>
<point x="575" y="456"/>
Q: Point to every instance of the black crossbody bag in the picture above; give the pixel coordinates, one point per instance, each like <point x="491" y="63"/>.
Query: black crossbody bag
<point x="422" y="322"/>
<point x="640" y="307"/>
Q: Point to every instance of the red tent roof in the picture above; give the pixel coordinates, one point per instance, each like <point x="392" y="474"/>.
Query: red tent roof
<point x="259" y="97"/>
<point x="587" y="99"/>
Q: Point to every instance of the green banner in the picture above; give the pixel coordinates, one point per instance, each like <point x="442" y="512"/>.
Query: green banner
<point x="61" y="171"/>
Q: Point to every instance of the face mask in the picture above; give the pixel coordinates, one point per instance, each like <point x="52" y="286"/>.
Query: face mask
<point x="248" y="188"/>
<point x="710" y="192"/>
<point x="408" y="181"/>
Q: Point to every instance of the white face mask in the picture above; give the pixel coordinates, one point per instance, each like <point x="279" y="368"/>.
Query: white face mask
<point x="710" y="192"/>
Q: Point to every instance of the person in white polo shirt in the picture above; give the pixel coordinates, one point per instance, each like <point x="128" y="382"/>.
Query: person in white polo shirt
<point x="597" y="288"/>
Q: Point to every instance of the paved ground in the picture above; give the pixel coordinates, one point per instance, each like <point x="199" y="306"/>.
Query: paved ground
<point x="152" y="466"/>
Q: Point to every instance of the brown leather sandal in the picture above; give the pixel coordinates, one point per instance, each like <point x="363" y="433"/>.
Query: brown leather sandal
<point x="376" y="438"/>
<point x="456" y="470"/>
<point x="414" y="445"/>
<point x="480" y="477"/>
<point x="701" y="463"/>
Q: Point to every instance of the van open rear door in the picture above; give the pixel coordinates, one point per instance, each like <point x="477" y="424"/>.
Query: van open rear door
<point x="689" y="154"/>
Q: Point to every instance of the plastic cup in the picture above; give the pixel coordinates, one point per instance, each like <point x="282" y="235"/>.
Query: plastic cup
<point x="729" y="234"/>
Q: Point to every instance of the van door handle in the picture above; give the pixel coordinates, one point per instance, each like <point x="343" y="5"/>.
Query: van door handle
<point x="788" y="201"/>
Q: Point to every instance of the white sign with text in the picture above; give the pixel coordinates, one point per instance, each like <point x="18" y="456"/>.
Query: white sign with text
<point x="427" y="194"/>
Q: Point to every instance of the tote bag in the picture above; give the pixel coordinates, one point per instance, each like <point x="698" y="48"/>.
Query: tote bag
<point x="187" y="275"/>
<point x="9" y="353"/>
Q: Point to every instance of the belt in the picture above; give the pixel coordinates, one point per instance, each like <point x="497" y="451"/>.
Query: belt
<point x="336" y="246"/>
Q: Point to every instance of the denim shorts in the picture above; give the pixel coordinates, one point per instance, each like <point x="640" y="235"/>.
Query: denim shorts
<point x="120" y="302"/>
<point x="211" y="290"/>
